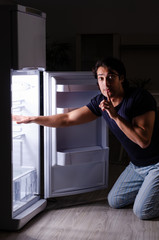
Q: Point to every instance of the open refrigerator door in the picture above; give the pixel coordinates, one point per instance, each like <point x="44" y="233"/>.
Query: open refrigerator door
<point x="76" y="157"/>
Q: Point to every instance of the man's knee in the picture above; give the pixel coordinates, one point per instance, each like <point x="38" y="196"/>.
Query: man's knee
<point x="145" y="213"/>
<point x="113" y="201"/>
<point x="137" y="209"/>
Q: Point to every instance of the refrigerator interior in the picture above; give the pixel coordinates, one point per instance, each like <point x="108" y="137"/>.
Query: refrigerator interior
<point x="76" y="156"/>
<point x="25" y="140"/>
<point x="23" y="46"/>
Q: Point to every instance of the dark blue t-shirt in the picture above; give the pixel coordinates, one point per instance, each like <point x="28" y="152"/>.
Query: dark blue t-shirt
<point x="136" y="102"/>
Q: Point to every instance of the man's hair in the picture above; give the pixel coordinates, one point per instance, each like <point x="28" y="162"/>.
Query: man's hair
<point x="112" y="64"/>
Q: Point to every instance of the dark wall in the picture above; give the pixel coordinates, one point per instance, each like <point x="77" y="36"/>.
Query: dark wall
<point x="136" y="22"/>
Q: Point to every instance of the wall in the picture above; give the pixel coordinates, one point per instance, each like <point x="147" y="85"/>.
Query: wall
<point x="67" y="18"/>
<point x="135" y="21"/>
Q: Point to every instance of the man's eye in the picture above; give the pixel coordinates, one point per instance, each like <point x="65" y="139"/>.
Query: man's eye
<point x="109" y="77"/>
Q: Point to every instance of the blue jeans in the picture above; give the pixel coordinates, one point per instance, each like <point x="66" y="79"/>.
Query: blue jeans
<point x="138" y="185"/>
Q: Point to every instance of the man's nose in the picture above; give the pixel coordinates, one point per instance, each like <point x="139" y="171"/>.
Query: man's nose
<point x="106" y="81"/>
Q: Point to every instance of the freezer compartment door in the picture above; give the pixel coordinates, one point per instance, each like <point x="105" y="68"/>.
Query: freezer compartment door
<point x="28" y="40"/>
<point x="76" y="157"/>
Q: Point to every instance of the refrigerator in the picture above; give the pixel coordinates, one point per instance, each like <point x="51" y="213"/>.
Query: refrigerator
<point x="38" y="163"/>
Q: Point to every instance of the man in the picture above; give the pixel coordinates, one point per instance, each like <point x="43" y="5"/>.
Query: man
<point x="131" y="115"/>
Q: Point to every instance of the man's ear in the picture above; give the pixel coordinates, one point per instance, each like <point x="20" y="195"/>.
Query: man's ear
<point x="122" y="78"/>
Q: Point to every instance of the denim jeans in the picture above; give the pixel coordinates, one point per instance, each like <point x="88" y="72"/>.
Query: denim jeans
<point x="138" y="185"/>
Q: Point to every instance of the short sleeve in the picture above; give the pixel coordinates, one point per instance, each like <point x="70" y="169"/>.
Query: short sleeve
<point x="94" y="104"/>
<point x="143" y="102"/>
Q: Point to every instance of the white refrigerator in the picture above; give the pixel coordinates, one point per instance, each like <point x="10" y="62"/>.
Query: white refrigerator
<point x="38" y="163"/>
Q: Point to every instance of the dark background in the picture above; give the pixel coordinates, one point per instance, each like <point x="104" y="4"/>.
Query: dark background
<point x="79" y="32"/>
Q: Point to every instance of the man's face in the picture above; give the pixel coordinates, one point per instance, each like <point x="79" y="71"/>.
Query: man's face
<point x="109" y="82"/>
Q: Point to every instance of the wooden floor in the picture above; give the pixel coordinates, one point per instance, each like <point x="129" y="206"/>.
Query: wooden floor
<point x="87" y="216"/>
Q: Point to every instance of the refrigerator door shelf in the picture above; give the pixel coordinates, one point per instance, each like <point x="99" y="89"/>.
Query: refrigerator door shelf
<point x="82" y="155"/>
<point x="81" y="178"/>
<point x="74" y="99"/>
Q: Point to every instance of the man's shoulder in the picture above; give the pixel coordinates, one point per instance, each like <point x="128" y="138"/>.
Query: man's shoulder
<point x="140" y="101"/>
<point x="134" y="92"/>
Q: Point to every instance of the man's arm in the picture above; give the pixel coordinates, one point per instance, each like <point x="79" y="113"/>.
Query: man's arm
<point x="139" y="130"/>
<point x="75" y="117"/>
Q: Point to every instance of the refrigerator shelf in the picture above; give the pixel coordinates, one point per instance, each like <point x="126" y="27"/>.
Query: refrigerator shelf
<point x="18" y="136"/>
<point x="18" y="108"/>
<point x="82" y="155"/>
<point x="73" y="99"/>
<point x="75" y="88"/>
